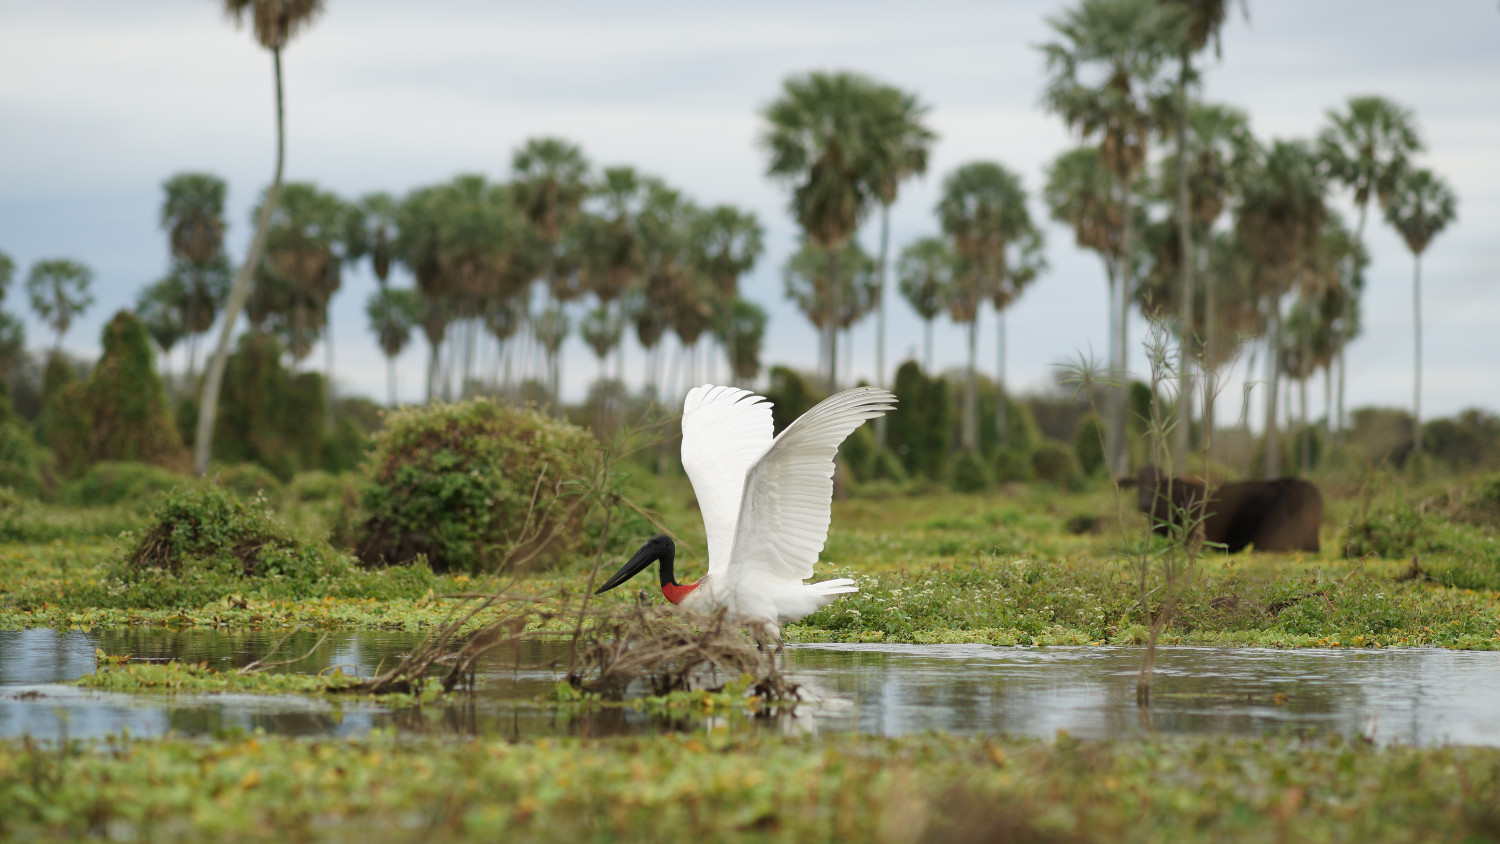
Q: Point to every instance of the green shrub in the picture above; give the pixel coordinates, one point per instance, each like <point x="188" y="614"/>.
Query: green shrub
<point x="920" y="429"/>
<point x="1054" y="463"/>
<point x="967" y="473"/>
<point x="205" y="543"/>
<point x="886" y="466"/>
<point x="1088" y="445"/>
<point x="455" y="483"/>
<point x="857" y="453"/>
<point x="1392" y="532"/>
<point x="120" y="412"/>
<point x="119" y="482"/>
<point x="1012" y="465"/>
<point x="23" y="519"/>
<point x="1482" y="505"/>
<point x="791" y="395"/>
<point x="25" y="466"/>
<point x="246" y="480"/>
<point x="266" y="415"/>
<point x="317" y="486"/>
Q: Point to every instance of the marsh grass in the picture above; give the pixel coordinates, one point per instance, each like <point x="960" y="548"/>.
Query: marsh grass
<point x="745" y="786"/>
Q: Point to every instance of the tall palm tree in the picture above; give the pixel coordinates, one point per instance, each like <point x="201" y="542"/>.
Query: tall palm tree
<point x="743" y="327"/>
<point x="806" y="283"/>
<point x="192" y="212"/>
<point x="393" y="313"/>
<point x="1281" y="216"/>
<point x="550" y="179"/>
<point x="1204" y="19"/>
<point x="903" y="144"/>
<point x="275" y="23"/>
<point x="162" y="308"/>
<point x="925" y="270"/>
<point x="59" y="293"/>
<point x="983" y="211"/>
<point x="647" y="310"/>
<point x="375" y="226"/>
<point x="821" y="138"/>
<point x="1105" y="81"/>
<point x="727" y="242"/>
<point x="1366" y="148"/>
<point x="610" y="241"/>
<point x="602" y="330"/>
<point x="1421" y="205"/>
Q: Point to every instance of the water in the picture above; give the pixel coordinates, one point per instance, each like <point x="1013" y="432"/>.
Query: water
<point x="1423" y="696"/>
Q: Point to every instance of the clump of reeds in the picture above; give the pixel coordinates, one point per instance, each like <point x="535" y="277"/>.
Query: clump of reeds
<point x="668" y="649"/>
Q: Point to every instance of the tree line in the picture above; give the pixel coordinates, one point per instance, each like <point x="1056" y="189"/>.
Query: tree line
<point x="1228" y="240"/>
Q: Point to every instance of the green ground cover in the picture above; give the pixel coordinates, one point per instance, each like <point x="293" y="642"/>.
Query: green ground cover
<point x="1026" y="565"/>
<point x="732" y="784"/>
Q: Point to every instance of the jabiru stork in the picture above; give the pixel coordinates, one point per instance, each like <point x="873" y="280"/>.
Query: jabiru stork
<point x="766" y="504"/>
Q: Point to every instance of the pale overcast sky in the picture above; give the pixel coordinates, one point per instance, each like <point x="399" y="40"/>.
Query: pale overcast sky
<point x="101" y="101"/>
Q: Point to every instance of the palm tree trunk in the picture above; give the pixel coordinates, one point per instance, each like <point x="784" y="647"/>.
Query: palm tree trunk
<point x="1185" y="246"/>
<point x="1000" y="420"/>
<point x="1209" y="328"/>
<point x="1273" y="370"/>
<point x="885" y="240"/>
<point x="971" y="403"/>
<point x="432" y="370"/>
<point x="327" y="370"/>
<point x="1304" y="435"/>
<point x="1416" y="389"/>
<point x="1120" y="458"/>
<point x="1345" y="334"/>
<point x="927" y="347"/>
<point x="244" y="280"/>
<point x="831" y="320"/>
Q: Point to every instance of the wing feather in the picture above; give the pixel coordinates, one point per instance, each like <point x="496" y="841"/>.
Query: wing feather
<point x="788" y="499"/>
<point x="724" y="431"/>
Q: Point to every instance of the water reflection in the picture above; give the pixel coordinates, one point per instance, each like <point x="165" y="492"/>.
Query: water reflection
<point x="1414" y="696"/>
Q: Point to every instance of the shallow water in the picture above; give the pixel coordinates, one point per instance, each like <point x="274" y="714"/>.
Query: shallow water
<point x="1421" y="696"/>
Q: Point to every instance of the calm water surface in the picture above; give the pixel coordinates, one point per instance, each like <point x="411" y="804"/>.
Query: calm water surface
<point x="1421" y="696"/>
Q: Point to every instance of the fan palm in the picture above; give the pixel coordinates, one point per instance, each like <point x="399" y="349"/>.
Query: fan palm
<point x="925" y="270"/>
<point x="192" y="212"/>
<point x="162" y="309"/>
<point x="374" y="230"/>
<point x="1281" y="215"/>
<point x="1420" y="207"/>
<point x="393" y="313"/>
<point x="983" y="211"/>
<point x="12" y="330"/>
<point x="822" y="139"/>
<point x="727" y="242"/>
<point x="59" y="293"/>
<point x="806" y="283"/>
<point x="1366" y="148"/>
<point x="743" y="329"/>
<point x="903" y="143"/>
<point x="1106" y="82"/>
<point x="1204" y="19"/>
<point x="275" y="23"/>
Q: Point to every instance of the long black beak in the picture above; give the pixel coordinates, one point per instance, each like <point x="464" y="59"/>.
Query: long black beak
<point x="656" y="548"/>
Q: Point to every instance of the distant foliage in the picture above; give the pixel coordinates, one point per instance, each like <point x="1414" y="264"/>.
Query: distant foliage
<point x="968" y="473"/>
<point x="791" y="395"/>
<point x="120" y="412"/>
<point x="1088" y="445"/>
<point x="245" y="480"/>
<point x="25" y="466"/>
<point x="1011" y="465"/>
<point x="1053" y="462"/>
<point x="111" y="482"/>
<point x="920" y="430"/>
<point x="269" y="416"/>
<point x="464" y="483"/>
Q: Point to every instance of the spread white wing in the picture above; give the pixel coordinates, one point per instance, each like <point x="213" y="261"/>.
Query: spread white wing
<point x="788" y="499"/>
<point x="724" y="430"/>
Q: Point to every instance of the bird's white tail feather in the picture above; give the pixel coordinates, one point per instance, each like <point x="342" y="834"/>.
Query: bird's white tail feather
<point x="839" y="586"/>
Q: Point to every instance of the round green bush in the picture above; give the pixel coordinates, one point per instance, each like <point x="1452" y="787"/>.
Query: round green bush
<point x="1012" y="465"/>
<point x="114" y="482"/>
<point x="466" y="484"/>
<point x="1088" y="445"/>
<point x="885" y="465"/>
<point x="1389" y="532"/>
<point x="205" y="543"/>
<point x="317" y="486"/>
<point x="246" y="480"/>
<point x="1053" y="462"/>
<point x="967" y="473"/>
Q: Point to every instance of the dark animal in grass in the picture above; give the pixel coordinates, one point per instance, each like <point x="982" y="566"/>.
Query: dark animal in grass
<point x="1278" y="515"/>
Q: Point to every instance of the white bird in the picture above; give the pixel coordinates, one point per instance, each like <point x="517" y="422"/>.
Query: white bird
<point x="766" y="504"/>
